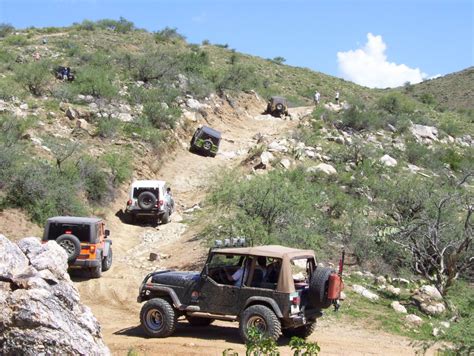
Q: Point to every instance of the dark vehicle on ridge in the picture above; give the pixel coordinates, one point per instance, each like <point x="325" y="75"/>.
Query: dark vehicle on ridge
<point x="275" y="289"/>
<point x="205" y="140"/>
<point x="85" y="240"/>
<point x="277" y="106"/>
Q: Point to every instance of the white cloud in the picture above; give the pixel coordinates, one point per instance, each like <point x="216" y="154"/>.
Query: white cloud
<point x="369" y="66"/>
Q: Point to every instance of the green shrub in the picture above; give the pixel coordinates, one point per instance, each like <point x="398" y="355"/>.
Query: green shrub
<point x="107" y="127"/>
<point x="121" y="26"/>
<point x="95" y="81"/>
<point x="86" y="25"/>
<point x="16" y="40"/>
<point x="279" y="60"/>
<point x="43" y="192"/>
<point x="10" y="88"/>
<point x="95" y="181"/>
<point x="160" y="115"/>
<point x="396" y="103"/>
<point x="238" y="77"/>
<point x="33" y="77"/>
<point x="120" y="167"/>
<point x="427" y="98"/>
<point x="6" y="29"/>
<point x="169" y="34"/>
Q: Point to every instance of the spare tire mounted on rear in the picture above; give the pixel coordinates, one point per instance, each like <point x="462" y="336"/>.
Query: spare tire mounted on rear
<point x="146" y="200"/>
<point x="71" y="245"/>
<point x="318" y="288"/>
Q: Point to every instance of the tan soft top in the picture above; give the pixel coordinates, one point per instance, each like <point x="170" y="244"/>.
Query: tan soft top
<point x="286" y="254"/>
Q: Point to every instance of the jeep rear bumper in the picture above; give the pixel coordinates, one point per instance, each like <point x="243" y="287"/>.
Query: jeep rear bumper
<point x="138" y="211"/>
<point x="85" y="264"/>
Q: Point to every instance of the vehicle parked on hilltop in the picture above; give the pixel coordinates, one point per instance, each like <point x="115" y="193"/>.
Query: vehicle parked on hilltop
<point x="275" y="289"/>
<point x="150" y="198"/>
<point x="205" y="140"/>
<point x="277" y="106"/>
<point x="85" y="241"/>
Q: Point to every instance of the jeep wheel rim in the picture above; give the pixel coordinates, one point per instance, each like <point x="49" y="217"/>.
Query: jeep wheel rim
<point x="68" y="246"/>
<point x="154" y="320"/>
<point x="257" y="322"/>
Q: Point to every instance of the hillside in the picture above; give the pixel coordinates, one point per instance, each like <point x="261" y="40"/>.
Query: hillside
<point x="376" y="174"/>
<point x="450" y="92"/>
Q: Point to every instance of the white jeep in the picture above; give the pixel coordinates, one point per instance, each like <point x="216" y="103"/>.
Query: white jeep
<point x="150" y="198"/>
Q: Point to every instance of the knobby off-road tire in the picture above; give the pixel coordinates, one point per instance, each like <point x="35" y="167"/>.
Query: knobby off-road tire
<point x="96" y="272"/>
<point x="146" y="200"/>
<point x="302" y="331"/>
<point x="158" y="318"/>
<point x="71" y="245"/>
<point x="261" y="317"/>
<point x="165" y="218"/>
<point x="198" y="321"/>
<point x="318" y="288"/>
<point x="107" y="261"/>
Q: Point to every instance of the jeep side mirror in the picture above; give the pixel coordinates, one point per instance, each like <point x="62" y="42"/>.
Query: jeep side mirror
<point x="205" y="271"/>
<point x="107" y="233"/>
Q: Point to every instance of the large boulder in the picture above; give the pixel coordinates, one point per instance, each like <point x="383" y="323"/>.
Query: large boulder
<point x="40" y="309"/>
<point x="322" y="168"/>
<point x="422" y="132"/>
<point x="365" y="292"/>
<point x="429" y="300"/>
<point x="388" y="161"/>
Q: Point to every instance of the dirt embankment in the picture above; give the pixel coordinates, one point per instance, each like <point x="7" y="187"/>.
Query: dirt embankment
<point x="113" y="297"/>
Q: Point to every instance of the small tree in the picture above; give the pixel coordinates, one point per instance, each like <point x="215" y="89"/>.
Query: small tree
<point x="436" y="229"/>
<point x="279" y="60"/>
<point x="33" y="76"/>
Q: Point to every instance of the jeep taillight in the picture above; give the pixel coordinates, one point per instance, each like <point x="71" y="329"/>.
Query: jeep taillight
<point x="296" y="301"/>
<point x="160" y="203"/>
<point x="68" y="232"/>
<point x="92" y="249"/>
<point x="129" y="202"/>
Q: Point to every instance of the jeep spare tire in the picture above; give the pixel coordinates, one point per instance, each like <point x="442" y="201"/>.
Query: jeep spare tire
<point x="207" y="145"/>
<point x="279" y="107"/>
<point x="71" y="245"/>
<point x="146" y="200"/>
<point x="318" y="288"/>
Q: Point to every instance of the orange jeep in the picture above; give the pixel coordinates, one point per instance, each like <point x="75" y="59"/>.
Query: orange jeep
<point x="85" y="241"/>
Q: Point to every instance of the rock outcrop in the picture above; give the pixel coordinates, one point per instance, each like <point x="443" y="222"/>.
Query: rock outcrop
<point x="40" y="309"/>
<point x="429" y="300"/>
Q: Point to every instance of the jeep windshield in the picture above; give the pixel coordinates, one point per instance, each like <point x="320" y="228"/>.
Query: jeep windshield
<point x="81" y="231"/>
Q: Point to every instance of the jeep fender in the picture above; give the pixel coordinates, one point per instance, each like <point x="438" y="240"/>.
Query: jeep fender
<point x="107" y="248"/>
<point x="264" y="300"/>
<point x="170" y="292"/>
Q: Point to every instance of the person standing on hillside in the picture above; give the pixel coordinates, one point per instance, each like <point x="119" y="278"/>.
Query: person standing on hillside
<point x="317" y="97"/>
<point x="337" y="97"/>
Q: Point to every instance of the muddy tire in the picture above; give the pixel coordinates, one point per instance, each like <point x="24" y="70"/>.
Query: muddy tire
<point x="146" y="200"/>
<point x="302" y="331"/>
<point x="107" y="261"/>
<point x="158" y="318"/>
<point x="318" y="288"/>
<point x="71" y="245"/>
<point x="261" y="317"/>
<point x="197" y="321"/>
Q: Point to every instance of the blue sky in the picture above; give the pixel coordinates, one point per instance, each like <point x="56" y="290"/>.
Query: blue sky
<point x="412" y="38"/>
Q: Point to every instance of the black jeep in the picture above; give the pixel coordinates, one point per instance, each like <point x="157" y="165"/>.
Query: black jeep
<point x="273" y="288"/>
<point x="277" y="106"/>
<point x="205" y="140"/>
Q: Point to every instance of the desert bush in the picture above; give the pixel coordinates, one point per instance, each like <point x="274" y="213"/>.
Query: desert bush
<point x="43" y="192"/>
<point x="9" y="88"/>
<point x="359" y="119"/>
<point x="107" y="126"/>
<point x="279" y="60"/>
<point x="95" y="81"/>
<point x="169" y="34"/>
<point x="120" y="26"/>
<point x="95" y="181"/>
<point x="160" y="115"/>
<point x="16" y="40"/>
<point x="6" y="29"/>
<point x="427" y="98"/>
<point x="119" y="165"/>
<point x="34" y="77"/>
<point x="396" y="103"/>
<point x="86" y="25"/>
<point x="238" y="77"/>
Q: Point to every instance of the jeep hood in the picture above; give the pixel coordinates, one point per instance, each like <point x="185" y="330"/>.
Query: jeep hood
<point x="175" y="278"/>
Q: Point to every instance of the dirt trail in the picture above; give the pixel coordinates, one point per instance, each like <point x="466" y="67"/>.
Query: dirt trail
<point x="112" y="298"/>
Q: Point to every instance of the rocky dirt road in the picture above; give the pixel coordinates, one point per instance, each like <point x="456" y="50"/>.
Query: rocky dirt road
<point x="113" y="297"/>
